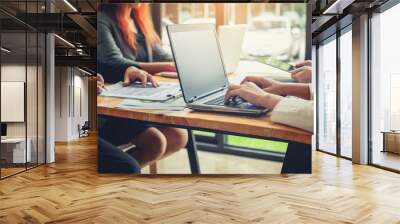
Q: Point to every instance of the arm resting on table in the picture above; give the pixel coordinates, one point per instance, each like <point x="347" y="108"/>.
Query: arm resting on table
<point x="294" y="112"/>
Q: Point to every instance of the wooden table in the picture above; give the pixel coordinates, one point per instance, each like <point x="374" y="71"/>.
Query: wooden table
<point x="391" y="141"/>
<point x="298" y="155"/>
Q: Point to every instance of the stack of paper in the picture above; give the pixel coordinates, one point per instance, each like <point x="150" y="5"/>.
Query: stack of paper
<point x="166" y="91"/>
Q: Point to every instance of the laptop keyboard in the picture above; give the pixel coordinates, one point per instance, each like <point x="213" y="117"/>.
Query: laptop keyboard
<point x="220" y="101"/>
<point x="217" y="101"/>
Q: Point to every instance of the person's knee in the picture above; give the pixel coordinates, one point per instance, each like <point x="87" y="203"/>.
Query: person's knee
<point x="177" y="138"/>
<point x="157" y="145"/>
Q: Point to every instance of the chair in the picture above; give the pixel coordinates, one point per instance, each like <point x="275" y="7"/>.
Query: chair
<point x="84" y="130"/>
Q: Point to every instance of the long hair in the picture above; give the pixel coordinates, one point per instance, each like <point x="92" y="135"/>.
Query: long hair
<point x="142" y="16"/>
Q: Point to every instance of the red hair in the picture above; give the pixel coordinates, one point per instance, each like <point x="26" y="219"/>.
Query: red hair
<point x="143" y="20"/>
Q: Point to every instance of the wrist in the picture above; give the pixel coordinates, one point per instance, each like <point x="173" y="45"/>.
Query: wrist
<point x="131" y="71"/>
<point x="280" y="89"/>
<point x="270" y="100"/>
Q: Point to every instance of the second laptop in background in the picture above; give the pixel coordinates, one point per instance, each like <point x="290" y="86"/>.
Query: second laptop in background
<point x="231" y="41"/>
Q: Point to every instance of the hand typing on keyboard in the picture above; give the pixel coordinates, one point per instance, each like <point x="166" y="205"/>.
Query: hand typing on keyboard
<point x="234" y="101"/>
<point x="253" y="94"/>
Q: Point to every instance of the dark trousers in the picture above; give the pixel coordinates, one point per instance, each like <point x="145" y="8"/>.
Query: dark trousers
<point x="111" y="159"/>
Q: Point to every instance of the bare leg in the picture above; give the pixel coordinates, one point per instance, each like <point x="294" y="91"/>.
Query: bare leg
<point x="151" y="145"/>
<point x="176" y="139"/>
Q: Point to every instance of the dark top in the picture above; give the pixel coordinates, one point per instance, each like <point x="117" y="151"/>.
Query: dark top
<point x="113" y="54"/>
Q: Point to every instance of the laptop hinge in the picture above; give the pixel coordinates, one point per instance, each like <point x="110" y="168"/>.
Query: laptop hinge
<point x="195" y="98"/>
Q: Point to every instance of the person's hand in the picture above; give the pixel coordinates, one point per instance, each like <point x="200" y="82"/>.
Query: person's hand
<point x="260" y="81"/>
<point x="133" y="74"/>
<point x="100" y="83"/>
<point x="302" y="74"/>
<point x="268" y="85"/>
<point x="304" y="63"/>
<point x="253" y="94"/>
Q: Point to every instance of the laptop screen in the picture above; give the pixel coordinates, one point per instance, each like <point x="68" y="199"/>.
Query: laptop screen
<point x="198" y="60"/>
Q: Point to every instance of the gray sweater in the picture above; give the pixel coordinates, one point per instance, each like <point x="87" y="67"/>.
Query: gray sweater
<point x="113" y="54"/>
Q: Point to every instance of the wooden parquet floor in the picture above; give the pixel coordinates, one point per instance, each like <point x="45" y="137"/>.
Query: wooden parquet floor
<point x="71" y="191"/>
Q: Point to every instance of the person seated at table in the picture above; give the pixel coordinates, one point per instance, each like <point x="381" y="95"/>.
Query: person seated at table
<point x="111" y="159"/>
<point x="303" y="72"/>
<point x="129" y="50"/>
<point x="152" y="143"/>
<point x="267" y="93"/>
<point x="128" y="46"/>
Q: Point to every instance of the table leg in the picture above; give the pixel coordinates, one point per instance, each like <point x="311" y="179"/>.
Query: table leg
<point x="192" y="153"/>
<point x="297" y="158"/>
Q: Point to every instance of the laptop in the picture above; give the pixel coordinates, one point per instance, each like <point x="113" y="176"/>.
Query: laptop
<point x="231" y="41"/>
<point x="201" y="70"/>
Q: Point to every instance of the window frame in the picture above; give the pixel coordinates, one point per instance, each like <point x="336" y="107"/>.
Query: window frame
<point x="336" y="36"/>
<point x="342" y="32"/>
<point x="25" y="30"/>
<point x="379" y="10"/>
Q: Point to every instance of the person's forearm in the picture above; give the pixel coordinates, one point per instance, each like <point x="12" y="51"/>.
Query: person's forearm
<point x="300" y="90"/>
<point x="269" y="101"/>
<point x="294" y="112"/>
<point x="153" y="67"/>
<point x="149" y="67"/>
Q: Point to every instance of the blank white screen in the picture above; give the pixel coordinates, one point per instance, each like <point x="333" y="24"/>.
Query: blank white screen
<point x="198" y="60"/>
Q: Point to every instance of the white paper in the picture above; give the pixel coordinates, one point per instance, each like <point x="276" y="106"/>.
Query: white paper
<point x="164" y="92"/>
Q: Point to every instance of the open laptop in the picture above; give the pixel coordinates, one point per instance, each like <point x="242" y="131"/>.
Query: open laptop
<point x="231" y="41"/>
<point x="201" y="70"/>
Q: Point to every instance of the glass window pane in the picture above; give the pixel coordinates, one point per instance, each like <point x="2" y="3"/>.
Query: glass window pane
<point x="32" y="98"/>
<point x="14" y="153"/>
<point x="327" y="97"/>
<point x="266" y="145"/>
<point x="41" y="99"/>
<point x="274" y="30"/>
<point x="385" y="84"/>
<point x="346" y="94"/>
<point x="204" y="133"/>
<point x="185" y="13"/>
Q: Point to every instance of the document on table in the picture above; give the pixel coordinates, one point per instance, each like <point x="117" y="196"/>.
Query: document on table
<point x="166" y="91"/>
<point x="173" y="105"/>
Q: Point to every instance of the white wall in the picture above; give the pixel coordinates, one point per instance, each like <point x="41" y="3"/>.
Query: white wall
<point x="33" y="127"/>
<point x="71" y="105"/>
<point x="14" y="73"/>
<point x="61" y="103"/>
